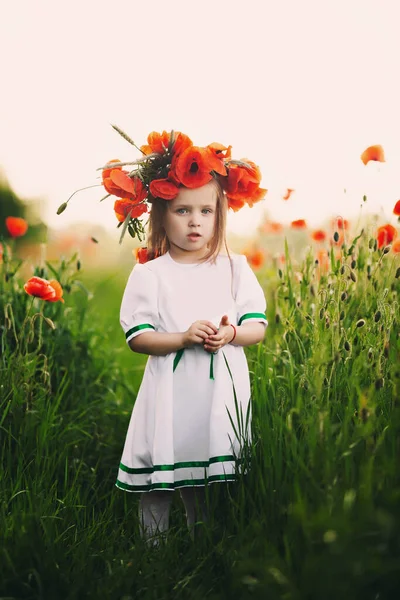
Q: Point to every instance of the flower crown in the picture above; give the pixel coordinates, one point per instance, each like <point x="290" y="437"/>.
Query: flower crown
<point x="170" y="161"/>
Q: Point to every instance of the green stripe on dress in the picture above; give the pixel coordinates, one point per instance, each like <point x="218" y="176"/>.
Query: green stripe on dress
<point x="178" y="465"/>
<point x="254" y="315"/>
<point x="176" y="484"/>
<point x="138" y="328"/>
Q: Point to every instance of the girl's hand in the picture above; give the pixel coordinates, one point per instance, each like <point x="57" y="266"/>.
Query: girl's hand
<point x="198" y="332"/>
<point x="225" y="335"/>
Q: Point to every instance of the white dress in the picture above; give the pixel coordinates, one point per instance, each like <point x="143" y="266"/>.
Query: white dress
<point x="184" y="428"/>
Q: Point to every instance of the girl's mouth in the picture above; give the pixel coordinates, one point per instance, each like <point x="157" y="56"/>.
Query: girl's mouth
<point x="194" y="236"/>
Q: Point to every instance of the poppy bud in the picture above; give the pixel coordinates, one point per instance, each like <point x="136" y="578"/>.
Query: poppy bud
<point x="343" y="296"/>
<point x="336" y="236"/>
<point x="397" y="273"/>
<point x="280" y="273"/>
<point x="360" y="323"/>
<point x="321" y="313"/>
<point x="347" y="346"/>
<point x="353" y="264"/>
<point x="377" y="316"/>
<point x="327" y="323"/>
<point x="353" y="277"/>
<point x="78" y="265"/>
<point x="312" y="290"/>
<point x="342" y="269"/>
<point x="277" y="318"/>
<point x="371" y="243"/>
<point x="61" y="208"/>
<point x="369" y="269"/>
<point x="386" y="250"/>
<point x="341" y="316"/>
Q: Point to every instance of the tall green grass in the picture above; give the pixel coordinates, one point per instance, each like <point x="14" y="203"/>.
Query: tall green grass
<point x="317" y="514"/>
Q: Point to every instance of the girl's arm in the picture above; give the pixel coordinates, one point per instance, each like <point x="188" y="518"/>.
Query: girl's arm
<point x="160" y="344"/>
<point x="248" y="334"/>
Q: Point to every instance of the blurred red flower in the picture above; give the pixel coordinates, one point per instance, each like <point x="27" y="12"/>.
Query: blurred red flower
<point x="16" y="226"/>
<point x="396" y="209"/>
<point x="318" y="235"/>
<point x="385" y="235"/>
<point x="289" y="192"/>
<point x="299" y="224"/>
<point x="375" y="153"/>
<point x="255" y="258"/>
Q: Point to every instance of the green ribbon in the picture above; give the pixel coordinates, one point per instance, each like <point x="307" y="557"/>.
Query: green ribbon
<point x="179" y="355"/>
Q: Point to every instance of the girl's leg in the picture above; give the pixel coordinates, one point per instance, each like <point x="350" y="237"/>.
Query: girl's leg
<point x="154" y="510"/>
<point x="194" y="500"/>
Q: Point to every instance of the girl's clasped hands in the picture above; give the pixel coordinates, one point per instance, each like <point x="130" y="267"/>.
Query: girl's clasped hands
<point x="206" y="333"/>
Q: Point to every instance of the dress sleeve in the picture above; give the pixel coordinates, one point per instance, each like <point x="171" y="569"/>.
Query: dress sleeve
<point x="250" y="299"/>
<point x="139" y="307"/>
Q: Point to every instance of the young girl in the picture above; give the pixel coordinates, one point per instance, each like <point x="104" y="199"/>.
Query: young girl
<point x="192" y="310"/>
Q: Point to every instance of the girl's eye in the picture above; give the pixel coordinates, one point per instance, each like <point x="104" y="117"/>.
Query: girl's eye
<point x="181" y="211"/>
<point x="206" y="210"/>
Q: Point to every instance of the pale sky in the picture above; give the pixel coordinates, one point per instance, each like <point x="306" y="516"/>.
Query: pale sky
<point x="299" y="87"/>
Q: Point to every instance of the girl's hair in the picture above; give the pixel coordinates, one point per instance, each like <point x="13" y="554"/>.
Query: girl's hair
<point x="158" y="243"/>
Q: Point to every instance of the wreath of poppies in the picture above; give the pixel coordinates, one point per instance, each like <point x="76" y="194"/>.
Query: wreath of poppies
<point x="168" y="162"/>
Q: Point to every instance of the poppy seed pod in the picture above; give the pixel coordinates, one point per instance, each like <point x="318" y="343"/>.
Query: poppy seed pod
<point x="377" y="316"/>
<point x="360" y="323"/>
<point x="353" y="277"/>
<point x="347" y="346"/>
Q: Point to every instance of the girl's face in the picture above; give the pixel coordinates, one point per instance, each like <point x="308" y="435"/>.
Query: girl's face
<point x="189" y="222"/>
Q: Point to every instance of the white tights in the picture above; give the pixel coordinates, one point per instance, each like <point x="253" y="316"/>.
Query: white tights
<point x="154" y="510"/>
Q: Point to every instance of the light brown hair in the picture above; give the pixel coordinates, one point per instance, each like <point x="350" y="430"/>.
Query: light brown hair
<point x="158" y="243"/>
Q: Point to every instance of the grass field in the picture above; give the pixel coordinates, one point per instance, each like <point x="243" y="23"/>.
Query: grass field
<point x="317" y="515"/>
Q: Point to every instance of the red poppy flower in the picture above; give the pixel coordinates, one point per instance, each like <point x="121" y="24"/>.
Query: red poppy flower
<point x="118" y="183"/>
<point x="243" y="184"/>
<point x="396" y="246"/>
<point x="220" y="151"/>
<point x="375" y="153"/>
<point x="339" y="223"/>
<point x="16" y="226"/>
<point x="159" y="142"/>
<point x="318" y="235"/>
<point x="141" y="255"/>
<point x="192" y="168"/>
<point x="385" y="235"/>
<point x="289" y="192"/>
<point x="38" y="287"/>
<point x="163" y="188"/>
<point x="123" y="207"/>
<point x="299" y="224"/>
<point x="396" y="209"/>
<point x="255" y="258"/>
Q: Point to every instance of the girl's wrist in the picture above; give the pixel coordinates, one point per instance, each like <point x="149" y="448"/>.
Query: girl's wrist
<point x="234" y="332"/>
